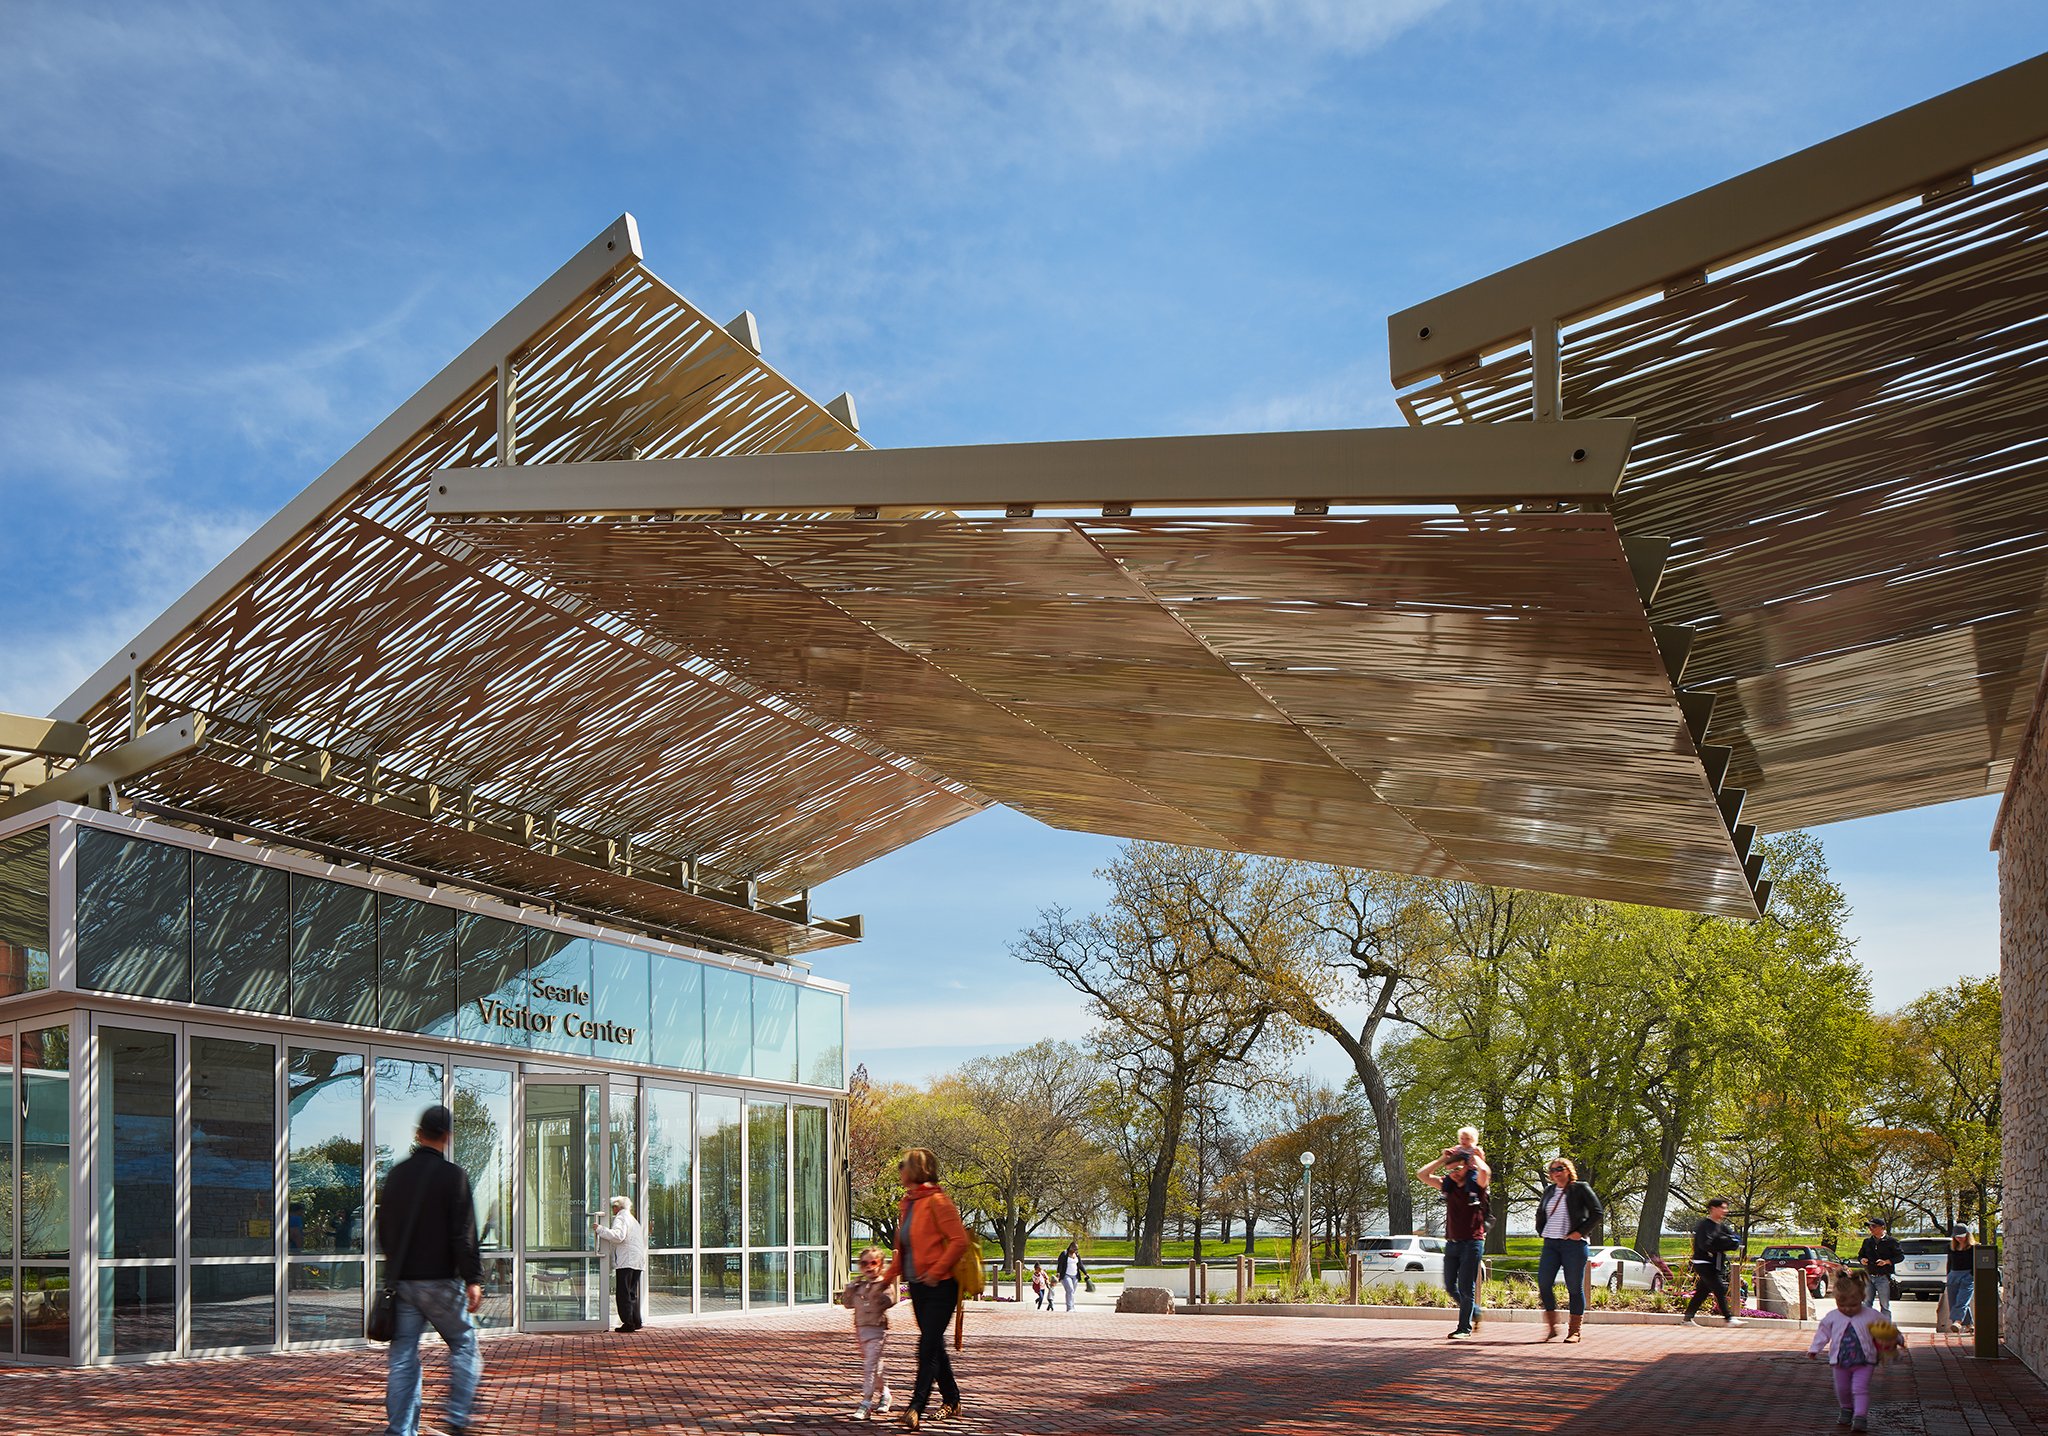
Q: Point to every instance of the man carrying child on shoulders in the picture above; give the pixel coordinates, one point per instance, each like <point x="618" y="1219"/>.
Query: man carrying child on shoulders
<point x="1464" y="1182"/>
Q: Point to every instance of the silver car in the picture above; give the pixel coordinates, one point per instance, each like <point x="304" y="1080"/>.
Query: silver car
<point x="1924" y="1272"/>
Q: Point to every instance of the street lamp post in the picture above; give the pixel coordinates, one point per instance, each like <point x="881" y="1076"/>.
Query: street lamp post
<point x="1308" y="1212"/>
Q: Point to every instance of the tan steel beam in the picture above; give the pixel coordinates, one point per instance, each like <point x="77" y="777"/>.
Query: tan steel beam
<point x="613" y="250"/>
<point x="45" y="737"/>
<point x="1902" y="155"/>
<point x="117" y="765"/>
<point x="1479" y="463"/>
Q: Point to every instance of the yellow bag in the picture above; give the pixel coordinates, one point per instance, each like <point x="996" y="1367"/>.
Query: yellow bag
<point x="969" y="1272"/>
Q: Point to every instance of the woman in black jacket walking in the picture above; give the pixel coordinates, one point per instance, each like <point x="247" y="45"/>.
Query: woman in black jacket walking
<point x="1565" y="1219"/>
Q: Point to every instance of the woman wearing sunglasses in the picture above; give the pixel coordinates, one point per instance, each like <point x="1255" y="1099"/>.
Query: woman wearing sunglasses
<point x="1565" y="1217"/>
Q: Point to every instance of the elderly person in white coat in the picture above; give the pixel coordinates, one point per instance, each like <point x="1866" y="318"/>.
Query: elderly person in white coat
<point x="627" y="1240"/>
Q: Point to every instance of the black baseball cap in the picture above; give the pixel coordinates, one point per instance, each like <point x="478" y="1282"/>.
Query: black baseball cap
<point x="436" y="1122"/>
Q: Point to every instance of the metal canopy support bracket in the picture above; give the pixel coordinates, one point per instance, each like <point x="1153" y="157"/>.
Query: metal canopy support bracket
<point x="45" y="737"/>
<point x="1899" y="157"/>
<point x="1577" y="462"/>
<point x="116" y="765"/>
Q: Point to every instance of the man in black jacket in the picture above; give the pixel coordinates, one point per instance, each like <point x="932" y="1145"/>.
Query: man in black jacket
<point x="1880" y="1256"/>
<point x="1712" y="1240"/>
<point x="426" y="1228"/>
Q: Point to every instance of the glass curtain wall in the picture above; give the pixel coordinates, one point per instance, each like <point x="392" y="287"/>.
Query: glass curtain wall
<point x="43" y="1201"/>
<point x="767" y="1203"/>
<point x="721" y="1172"/>
<point x="233" y="1242"/>
<point x="483" y="1146"/>
<point x="670" y="1215"/>
<point x="324" y="1195"/>
<point x="135" y="1191"/>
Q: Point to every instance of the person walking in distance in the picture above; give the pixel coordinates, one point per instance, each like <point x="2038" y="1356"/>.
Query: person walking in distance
<point x="1880" y="1255"/>
<point x="929" y="1244"/>
<point x="426" y="1228"/>
<point x="1712" y="1240"/>
<point x="1070" y="1271"/>
<point x="1962" y="1277"/>
<point x="1464" y="1184"/>
<point x="628" y="1242"/>
<point x="1566" y="1215"/>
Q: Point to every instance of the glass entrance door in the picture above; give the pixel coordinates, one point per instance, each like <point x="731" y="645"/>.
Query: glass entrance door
<point x="562" y="1194"/>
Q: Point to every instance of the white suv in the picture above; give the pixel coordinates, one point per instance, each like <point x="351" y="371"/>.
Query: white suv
<point x="1410" y="1260"/>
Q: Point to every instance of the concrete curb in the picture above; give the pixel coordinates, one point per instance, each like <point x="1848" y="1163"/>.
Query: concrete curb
<point x="1492" y="1316"/>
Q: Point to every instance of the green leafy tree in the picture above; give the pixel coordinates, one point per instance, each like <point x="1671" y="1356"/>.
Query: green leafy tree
<point x="1943" y="1080"/>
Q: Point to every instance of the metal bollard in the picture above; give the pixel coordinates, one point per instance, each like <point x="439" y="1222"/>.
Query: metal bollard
<point x="1354" y="1278"/>
<point x="1984" y="1301"/>
<point x="1241" y="1283"/>
<point x="1191" y="1282"/>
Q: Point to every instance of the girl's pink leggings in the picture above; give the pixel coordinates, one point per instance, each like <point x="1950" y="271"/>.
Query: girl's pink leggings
<point x="1852" y="1389"/>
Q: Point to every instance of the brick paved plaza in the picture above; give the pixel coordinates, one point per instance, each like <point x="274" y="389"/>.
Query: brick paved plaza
<point x="1092" y="1372"/>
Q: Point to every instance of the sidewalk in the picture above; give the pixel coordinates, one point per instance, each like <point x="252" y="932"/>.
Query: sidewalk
<point x="1095" y="1372"/>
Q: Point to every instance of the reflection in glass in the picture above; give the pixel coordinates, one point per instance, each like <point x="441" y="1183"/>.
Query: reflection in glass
<point x="719" y="1169"/>
<point x="496" y="1312"/>
<point x="234" y="1148"/>
<point x="821" y="1037"/>
<point x="670" y="1277"/>
<point x="326" y="1154"/>
<point x="557" y="989"/>
<point x="234" y="1306"/>
<point x="774" y="1030"/>
<point x="767" y="1175"/>
<point x="728" y="1022"/>
<point x="46" y="1311"/>
<point x="620" y="1003"/>
<point x="490" y="963"/>
<point x="668" y="1168"/>
<point x="560" y="1289"/>
<point x="7" y="1188"/>
<point x="768" y="1278"/>
<point x="334" y="951"/>
<point x="135" y="1175"/>
<point x="483" y="1148"/>
<point x="405" y="1089"/>
<point x="721" y="1287"/>
<point x="813" y="1189"/>
<point x="813" y="1278"/>
<point x="241" y="935"/>
<point x="677" y="993"/>
<point x="562" y="1167"/>
<point x="624" y="1148"/>
<point x="134" y="916"/>
<point x="415" y="966"/>
<point x="46" y="1142"/>
<point x="138" y="1309"/>
<point x="324" y="1301"/>
<point x="25" y="912"/>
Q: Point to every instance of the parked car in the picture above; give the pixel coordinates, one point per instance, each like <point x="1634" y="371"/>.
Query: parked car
<point x="1820" y="1265"/>
<point x="1617" y="1268"/>
<point x="1411" y="1260"/>
<point x="1924" y="1272"/>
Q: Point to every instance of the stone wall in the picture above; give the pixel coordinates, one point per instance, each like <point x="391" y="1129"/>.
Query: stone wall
<point x="2022" y="841"/>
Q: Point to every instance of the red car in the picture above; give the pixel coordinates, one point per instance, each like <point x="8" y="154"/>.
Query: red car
<point x="1820" y="1264"/>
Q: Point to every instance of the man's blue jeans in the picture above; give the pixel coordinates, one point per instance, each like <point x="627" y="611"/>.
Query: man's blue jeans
<point x="1461" y="1278"/>
<point x="1562" y="1254"/>
<point x="442" y="1305"/>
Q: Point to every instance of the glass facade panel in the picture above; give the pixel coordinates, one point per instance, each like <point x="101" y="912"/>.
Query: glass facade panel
<point x="496" y="1312"/>
<point x="46" y="1311"/>
<point x="7" y="1188"/>
<point x="405" y="1089"/>
<point x="774" y="1030"/>
<point x="334" y="951"/>
<point x="728" y="1022"/>
<point x="557" y="992"/>
<point x="46" y="1143"/>
<point x="719" y="1169"/>
<point x="813" y="1278"/>
<point x="676" y="989"/>
<point x="625" y="1143"/>
<point x="821" y="1037"/>
<point x="134" y="916"/>
<point x="415" y="966"/>
<point x="668" y="1168"/>
<point x="25" y="912"/>
<point x="721" y="1288"/>
<point x="326" y="1156"/>
<point x="670" y="1277"/>
<point x="234" y="1305"/>
<point x="767" y="1174"/>
<point x="489" y="980"/>
<point x="234" y="1148"/>
<point x="562" y="1167"/>
<point x="135" y="1187"/>
<point x="768" y="1278"/>
<point x="813" y="1189"/>
<point x="563" y="1289"/>
<point x="138" y="1309"/>
<point x="483" y="1148"/>
<point x="324" y="1301"/>
<point x="619" y="1003"/>
<point x="241" y="935"/>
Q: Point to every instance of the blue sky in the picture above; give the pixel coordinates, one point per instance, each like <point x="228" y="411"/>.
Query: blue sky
<point x="233" y="237"/>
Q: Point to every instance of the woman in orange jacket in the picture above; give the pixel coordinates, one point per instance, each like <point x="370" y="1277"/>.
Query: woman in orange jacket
<point x="929" y="1244"/>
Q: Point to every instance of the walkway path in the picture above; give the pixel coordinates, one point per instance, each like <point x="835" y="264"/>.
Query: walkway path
<point x="1092" y="1372"/>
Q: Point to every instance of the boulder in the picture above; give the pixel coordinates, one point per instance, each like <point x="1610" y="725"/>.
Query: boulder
<point x="1151" y="1300"/>
<point x="1778" y="1291"/>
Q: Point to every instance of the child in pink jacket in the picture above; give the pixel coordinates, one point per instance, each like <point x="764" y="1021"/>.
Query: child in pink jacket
<point x="1852" y="1350"/>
